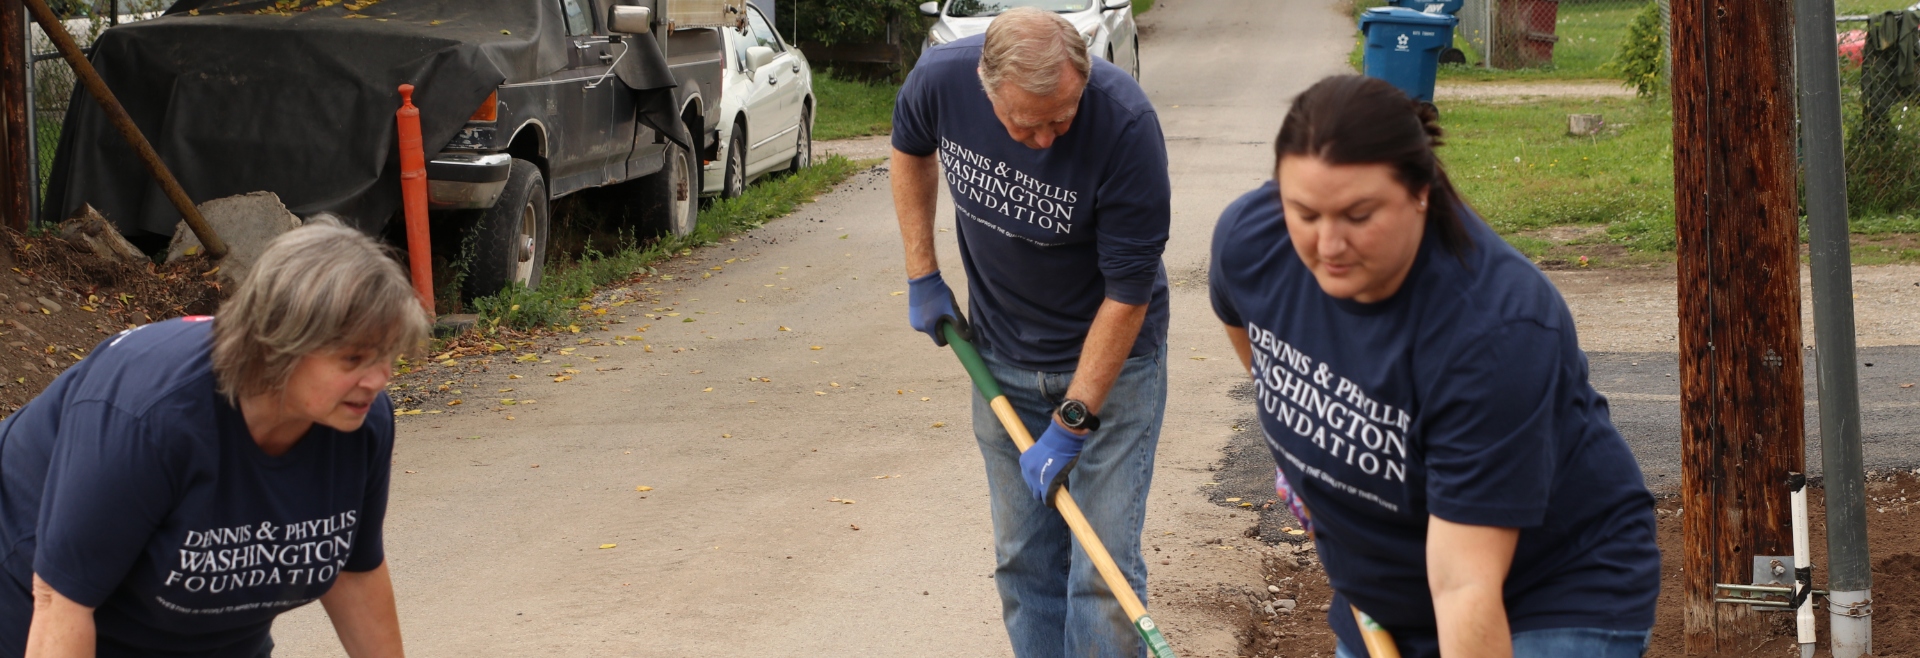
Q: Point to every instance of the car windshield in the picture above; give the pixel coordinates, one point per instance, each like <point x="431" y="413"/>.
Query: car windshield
<point x="982" y="8"/>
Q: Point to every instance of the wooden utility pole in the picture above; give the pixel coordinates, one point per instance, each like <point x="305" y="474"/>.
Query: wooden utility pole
<point x="15" y="149"/>
<point x="1736" y="211"/>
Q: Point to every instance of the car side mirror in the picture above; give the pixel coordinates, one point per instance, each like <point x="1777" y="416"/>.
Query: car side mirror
<point x="630" y="20"/>
<point x="933" y="8"/>
<point x="758" y="56"/>
<point x="1116" y="4"/>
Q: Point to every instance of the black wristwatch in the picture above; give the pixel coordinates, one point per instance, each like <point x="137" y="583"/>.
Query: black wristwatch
<point x="1075" y="416"/>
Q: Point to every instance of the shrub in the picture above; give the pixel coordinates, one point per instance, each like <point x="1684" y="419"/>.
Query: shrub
<point x="1642" y="60"/>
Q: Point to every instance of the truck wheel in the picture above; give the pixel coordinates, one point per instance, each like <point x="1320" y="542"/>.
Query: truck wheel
<point x="668" y="204"/>
<point x="803" y="148"/>
<point x="734" y="178"/>
<point x="510" y="239"/>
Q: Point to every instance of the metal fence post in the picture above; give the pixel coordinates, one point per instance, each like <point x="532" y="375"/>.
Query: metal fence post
<point x="1849" y="578"/>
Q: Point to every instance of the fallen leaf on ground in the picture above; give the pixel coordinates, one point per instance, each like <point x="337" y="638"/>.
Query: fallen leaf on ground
<point x="607" y="546"/>
<point x="534" y="466"/>
<point x="855" y="527"/>
<point x="505" y="390"/>
<point x="783" y="328"/>
<point x="883" y="477"/>
<point x="939" y="425"/>
<point x="925" y="399"/>
<point x="1906" y="386"/>
<point x="726" y="436"/>
<point x="708" y="389"/>
<point x="842" y="501"/>
<point x="1233" y="500"/>
<point x="643" y="488"/>
<point x="819" y="392"/>
<point x="816" y="347"/>
<point x="896" y="293"/>
<point x="562" y="378"/>
<point x="409" y="471"/>
<point x="455" y="403"/>
<point x="517" y="376"/>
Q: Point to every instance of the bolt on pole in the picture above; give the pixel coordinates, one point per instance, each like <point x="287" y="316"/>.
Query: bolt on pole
<point x="1849" y="577"/>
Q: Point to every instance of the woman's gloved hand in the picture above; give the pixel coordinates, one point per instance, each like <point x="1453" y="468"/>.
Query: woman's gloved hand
<point x="1046" y="464"/>
<point x="930" y="301"/>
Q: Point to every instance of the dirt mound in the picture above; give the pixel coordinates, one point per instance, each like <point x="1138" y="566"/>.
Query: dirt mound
<point x="57" y="302"/>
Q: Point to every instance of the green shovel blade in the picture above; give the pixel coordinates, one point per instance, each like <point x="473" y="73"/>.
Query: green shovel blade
<point x="1156" y="644"/>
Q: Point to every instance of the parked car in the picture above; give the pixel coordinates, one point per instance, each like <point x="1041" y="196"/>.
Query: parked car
<point x="521" y="102"/>
<point x="1107" y="25"/>
<point x="766" y="108"/>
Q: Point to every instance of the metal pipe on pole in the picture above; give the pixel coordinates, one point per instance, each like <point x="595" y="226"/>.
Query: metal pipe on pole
<point x="1849" y="575"/>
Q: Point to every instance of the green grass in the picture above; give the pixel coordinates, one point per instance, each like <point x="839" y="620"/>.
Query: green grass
<point x="850" y="108"/>
<point x="1858" y="7"/>
<point x="564" y="284"/>
<point x="1518" y="167"/>
<point x="1590" y="33"/>
<point x="1142" y="6"/>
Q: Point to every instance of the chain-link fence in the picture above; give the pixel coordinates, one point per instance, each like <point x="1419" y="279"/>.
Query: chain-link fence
<point x="52" y="80"/>
<point x="1571" y="36"/>
<point x="1880" y="107"/>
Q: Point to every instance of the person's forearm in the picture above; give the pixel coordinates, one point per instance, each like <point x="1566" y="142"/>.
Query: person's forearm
<point x="363" y="613"/>
<point x="1109" y="341"/>
<point x="61" y="628"/>
<point x="1467" y="571"/>
<point x="916" y="180"/>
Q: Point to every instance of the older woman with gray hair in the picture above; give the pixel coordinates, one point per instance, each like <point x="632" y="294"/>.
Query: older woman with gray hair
<point x="194" y="478"/>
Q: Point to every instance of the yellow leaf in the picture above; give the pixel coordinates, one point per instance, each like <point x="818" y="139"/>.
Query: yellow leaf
<point x="896" y="293"/>
<point x="562" y="378"/>
<point x="816" y="347"/>
<point x="726" y="436"/>
<point x="785" y="329"/>
<point x="504" y="390"/>
<point x="939" y="425"/>
<point x="408" y="412"/>
<point x="507" y="402"/>
<point x="649" y="348"/>
<point x="1296" y="532"/>
<point x="819" y="392"/>
<point x="528" y="401"/>
<point x="925" y="399"/>
<point x="455" y="403"/>
<point x="716" y="268"/>
<point x="607" y="546"/>
<point x="1233" y="500"/>
<point x="741" y="301"/>
<point x="708" y="389"/>
<point x="1246" y="504"/>
<point x="496" y="347"/>
<point x="643" y="488"/>
<point x="673" y="315"/>
<point x="574" y="328"/>
<point x="449" y="362"/>
<point x="513" y="376"/>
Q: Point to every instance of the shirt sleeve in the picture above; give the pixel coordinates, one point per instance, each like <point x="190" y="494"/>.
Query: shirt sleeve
<point x="1135" y="211"/>
<point x="369" y="542"/>
<point x="110" y="484"/>
<point x="915" y="121"/>
<point x="1489" y="426"/>
<point x="1218" y="289"/>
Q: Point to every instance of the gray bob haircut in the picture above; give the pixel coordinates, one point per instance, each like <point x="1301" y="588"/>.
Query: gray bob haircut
<point x="319" y="287"/>
<point x="1026" y="46"/>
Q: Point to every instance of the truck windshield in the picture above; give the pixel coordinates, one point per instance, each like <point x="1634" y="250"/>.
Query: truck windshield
<point x="982" y="8"/>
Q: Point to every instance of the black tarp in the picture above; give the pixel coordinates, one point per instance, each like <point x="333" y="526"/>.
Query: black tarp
<point x="297" y="97"/>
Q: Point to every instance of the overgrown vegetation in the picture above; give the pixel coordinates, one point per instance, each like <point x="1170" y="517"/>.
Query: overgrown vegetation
<point x="1517" y="165"/>
<point x="830" y="22"/>
<point x="852" y="108"/>
<point x="565" y="283"/>
<point x="1642" y="59"/>
<point x="1590" y="33"/>
<point x="1142" y="6"/>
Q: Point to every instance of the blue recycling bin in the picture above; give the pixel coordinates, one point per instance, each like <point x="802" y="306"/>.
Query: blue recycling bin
<point x="1404" y="46"/>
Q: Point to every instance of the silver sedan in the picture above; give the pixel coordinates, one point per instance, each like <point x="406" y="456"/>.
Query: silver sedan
<point x="1107" y="25"/>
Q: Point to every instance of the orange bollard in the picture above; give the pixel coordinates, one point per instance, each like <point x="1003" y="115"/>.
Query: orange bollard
<point x="413" y="198"/>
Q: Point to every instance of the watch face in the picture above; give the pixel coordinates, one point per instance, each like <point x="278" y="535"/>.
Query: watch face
<point x="1073" y="412"/>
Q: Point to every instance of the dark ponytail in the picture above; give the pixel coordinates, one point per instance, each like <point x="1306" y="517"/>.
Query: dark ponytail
<point x="1351" y="119"/>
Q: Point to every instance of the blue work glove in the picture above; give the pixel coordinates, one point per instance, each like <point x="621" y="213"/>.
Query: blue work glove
<point x="1046" y="464"/>
<point x="929" y="302"/>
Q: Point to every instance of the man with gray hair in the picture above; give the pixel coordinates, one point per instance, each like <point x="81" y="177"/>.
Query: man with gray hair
<point x="1058" y="172"/>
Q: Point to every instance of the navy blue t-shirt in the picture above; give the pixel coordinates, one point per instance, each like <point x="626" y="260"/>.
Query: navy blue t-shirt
<point x="1046" y="234"/>
<point x="131" y="486"/>
<point x="1464" y="396"/>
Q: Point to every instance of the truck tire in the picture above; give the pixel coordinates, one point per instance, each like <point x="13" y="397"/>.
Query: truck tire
<point x="733" y="181"/>
<point x="803" y="146"/>
<point x="667" y="199"/>
<point x="510" y="239"/>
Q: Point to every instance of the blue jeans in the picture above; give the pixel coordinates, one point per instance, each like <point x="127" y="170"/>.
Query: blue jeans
<point x="1052" y="599"/>
<point x="1566" y="643"/>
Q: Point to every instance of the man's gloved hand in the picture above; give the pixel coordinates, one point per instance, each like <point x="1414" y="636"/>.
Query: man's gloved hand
<point x="929" y="301"/>
<point x="1046" y="464"/>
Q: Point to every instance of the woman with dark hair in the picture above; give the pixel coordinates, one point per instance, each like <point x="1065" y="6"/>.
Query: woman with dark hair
<point x="1426" y="400"/>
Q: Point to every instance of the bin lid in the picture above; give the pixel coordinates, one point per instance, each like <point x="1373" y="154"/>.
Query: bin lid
<point x="1448" y="7"/>
<point x="1404" y="16"/>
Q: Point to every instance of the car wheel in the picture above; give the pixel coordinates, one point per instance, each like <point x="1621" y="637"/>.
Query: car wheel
<point x="803" y="147"/>
<point x="734" y="178"/>
<point x="510" y="239"/>
<point x="667" y="199"/>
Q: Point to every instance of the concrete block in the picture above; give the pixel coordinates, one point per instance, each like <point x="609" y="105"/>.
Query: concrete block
<point x="247" y="223"/>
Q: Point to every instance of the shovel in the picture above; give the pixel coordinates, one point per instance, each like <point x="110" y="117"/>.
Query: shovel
<point x="1069" y="510"/>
